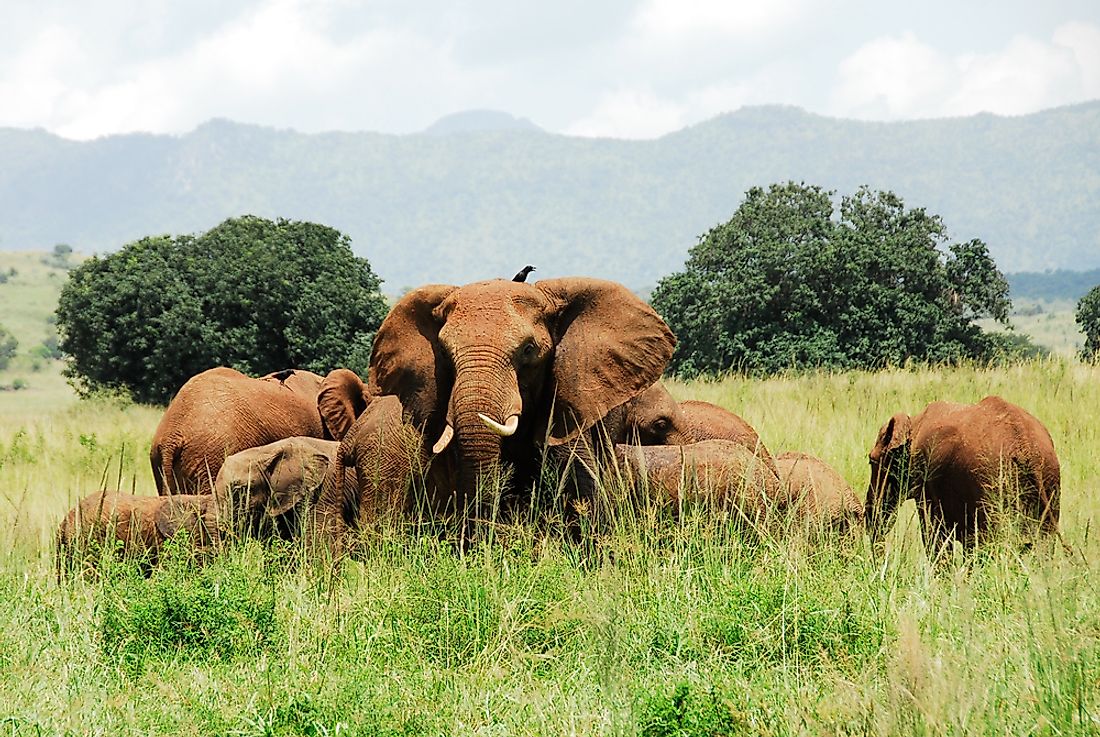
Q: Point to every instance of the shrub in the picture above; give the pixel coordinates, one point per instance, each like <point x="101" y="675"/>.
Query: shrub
<point x="1088" y="318"/>
<point x="790" y="283"/>
<point x="219" y="612"/>
<point x="253" y="294"/>
<point x="8" y="347"/>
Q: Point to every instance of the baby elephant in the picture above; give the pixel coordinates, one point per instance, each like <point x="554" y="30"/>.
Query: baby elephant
<point x="268" y="488"/>
<point x="970" y="467"/>
<point x="138" y="525"/>
<point x="818" y="492"/>
<point x="715" y="472"/>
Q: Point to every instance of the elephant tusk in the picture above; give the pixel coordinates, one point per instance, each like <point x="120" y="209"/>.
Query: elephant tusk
<point x="508" y="428"/>
<point x="444" y="439"/>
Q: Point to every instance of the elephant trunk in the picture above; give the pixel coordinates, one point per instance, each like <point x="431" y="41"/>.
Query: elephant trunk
<point x="485" y="407"/>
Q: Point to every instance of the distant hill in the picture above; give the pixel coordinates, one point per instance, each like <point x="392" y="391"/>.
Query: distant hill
<point x="1053" y="285"/>
<point x="481" y="204"/>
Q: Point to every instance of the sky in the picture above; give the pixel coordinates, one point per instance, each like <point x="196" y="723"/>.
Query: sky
<point x="614" y="68"/>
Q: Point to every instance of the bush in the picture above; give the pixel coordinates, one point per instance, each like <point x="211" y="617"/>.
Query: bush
<point x="253" y="294"/>
<point x="687" y="712"/>
<point x="1088" y="318"/>
<point x="8" y="347"/>
<point x="219" y="612"/>
<point x="790" y="283"/>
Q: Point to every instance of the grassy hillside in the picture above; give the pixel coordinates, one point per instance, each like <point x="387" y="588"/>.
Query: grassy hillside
<point x="27" y="302"/>
<point x="461" y="207"/>
<point x="657" y="628"/>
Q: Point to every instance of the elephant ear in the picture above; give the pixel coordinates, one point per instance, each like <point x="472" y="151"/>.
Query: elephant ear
<point x="610" y="346"/>
<point x="893" y="435"/>
<point x="296" y="476"/>
<point x="342" y="398"/>
<point x="407" y="356"/>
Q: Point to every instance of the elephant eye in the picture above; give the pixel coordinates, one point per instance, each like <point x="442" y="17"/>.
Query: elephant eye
<point x="662" y="423"/>
<point x="530" y="351"/>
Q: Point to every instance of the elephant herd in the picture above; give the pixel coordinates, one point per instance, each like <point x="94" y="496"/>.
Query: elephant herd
<point x="478" y="396"/>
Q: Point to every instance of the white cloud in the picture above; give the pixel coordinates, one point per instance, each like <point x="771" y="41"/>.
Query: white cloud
<point x="277" y="64"/>
<point x="630" y="113"/>
<point x="898" y="77"/>
<point x="640" y="113"/>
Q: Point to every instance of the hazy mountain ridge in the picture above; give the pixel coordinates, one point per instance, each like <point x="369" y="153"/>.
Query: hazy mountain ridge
<point x="481" y="204"/>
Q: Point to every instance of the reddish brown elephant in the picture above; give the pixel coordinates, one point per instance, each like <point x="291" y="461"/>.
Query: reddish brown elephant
<point x="492" y="375"/>
<point x="138" y="525"/>
<point x="818" y="492"/>
<point x="221" y="411"/>
<point x="722" y="473"/>
<point x="970" y="468"/>
<point x="707" y="421"/>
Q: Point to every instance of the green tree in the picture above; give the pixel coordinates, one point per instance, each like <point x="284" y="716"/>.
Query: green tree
<point x="1088" y="317"/>
<point x="254" y="294"/>
<point x="8" y="346"/>
<point x="789" y="282"/>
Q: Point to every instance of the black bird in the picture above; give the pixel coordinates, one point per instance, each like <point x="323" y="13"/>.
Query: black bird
<point x="521" y="275"/>
<point x="283" y="375"/>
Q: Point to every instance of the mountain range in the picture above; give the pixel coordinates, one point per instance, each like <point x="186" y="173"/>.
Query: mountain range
<point x="482" y="193"/>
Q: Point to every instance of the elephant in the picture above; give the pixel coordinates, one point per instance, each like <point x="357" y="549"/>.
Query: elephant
<point x="715" y="472"/>
<point x="707" y="421"/>
<point x="654" y="418"/>
<point x="970" y="467"/>
<point x="267" y="488"/>
<point x="221" y="411"/>
<point x="818" y="492"/>
<point x="493" y="378"/>
<point x="138" y="525"/>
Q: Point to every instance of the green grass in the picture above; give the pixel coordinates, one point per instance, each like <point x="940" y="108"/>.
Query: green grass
<point x="1049" y="324"/>
<point x="27" y="303"/>
<point x="670" y="628"/>
<point x="655" y="628"/>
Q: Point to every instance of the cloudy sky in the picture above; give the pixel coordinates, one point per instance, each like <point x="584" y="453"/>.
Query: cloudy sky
<point x="623" y="68"/>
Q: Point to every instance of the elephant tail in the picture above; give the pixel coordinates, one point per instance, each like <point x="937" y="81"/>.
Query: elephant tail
<point x="163" y="459"/>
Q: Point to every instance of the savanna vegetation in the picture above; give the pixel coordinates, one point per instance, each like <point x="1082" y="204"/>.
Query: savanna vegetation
<point x="1088" y="320"/>
<point x="655" y="627"/>
<point x="253" y="294"/>
<point x="790" y="282"/>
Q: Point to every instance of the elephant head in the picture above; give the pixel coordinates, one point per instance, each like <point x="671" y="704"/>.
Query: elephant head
<point x="501" y="364"/>
<point x="889" y="460"/>
<point x="263" y="485"/>
<point x="655" y="418"/>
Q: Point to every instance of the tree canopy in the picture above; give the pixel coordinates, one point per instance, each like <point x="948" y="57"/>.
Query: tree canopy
<point x="791" y="282"/>
<point x="251" y="293"/>
<point x="1088" y="317"/>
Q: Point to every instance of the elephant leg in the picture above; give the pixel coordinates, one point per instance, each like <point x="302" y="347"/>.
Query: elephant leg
<point x="934" y="530"/>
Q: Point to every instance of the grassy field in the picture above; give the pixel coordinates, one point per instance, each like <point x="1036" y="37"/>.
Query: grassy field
<point x="655" y="628"/>
<point x="659" y="628"/>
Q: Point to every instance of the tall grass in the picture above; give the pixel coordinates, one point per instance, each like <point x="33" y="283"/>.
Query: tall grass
<point x="658" y="627"/>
